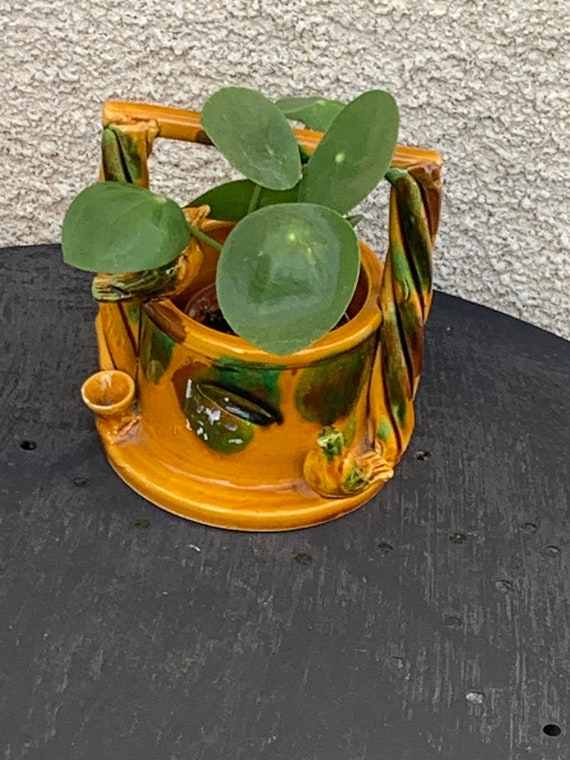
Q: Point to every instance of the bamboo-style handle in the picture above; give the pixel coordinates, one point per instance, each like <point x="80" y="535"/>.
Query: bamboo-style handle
<point x="178" y="124"/>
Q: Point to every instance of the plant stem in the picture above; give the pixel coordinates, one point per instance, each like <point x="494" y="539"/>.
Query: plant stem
<point x="205" y="238"/>
<point x="254" y="198"/>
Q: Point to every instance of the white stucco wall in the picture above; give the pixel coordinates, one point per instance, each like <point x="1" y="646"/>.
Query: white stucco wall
<point x="486" y="84"/>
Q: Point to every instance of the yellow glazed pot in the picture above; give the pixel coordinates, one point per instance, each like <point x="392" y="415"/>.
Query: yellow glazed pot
<point x="205" y="425"/>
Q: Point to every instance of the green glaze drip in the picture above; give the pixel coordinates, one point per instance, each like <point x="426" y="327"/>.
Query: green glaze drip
<point x="401" y="269"/>
<point x="417" y="237"/>
<point x="328" y="390"/>
<point x="350" y="431"/>
<point x="356" y="480"/>
<point x="396" y="383"/>
<point x="132" y="310"/>
<point x="331" y="441"/>
<point x="156" y="350"/>
<point x="412" y="329"/>
<point x="384" y="430"/>
<point x="396" y="375"/>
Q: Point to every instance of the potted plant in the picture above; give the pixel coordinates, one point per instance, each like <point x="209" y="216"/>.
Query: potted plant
<point x="258" y="363"/>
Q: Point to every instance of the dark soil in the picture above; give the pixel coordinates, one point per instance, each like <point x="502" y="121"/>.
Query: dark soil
<point x="215" y="320"/>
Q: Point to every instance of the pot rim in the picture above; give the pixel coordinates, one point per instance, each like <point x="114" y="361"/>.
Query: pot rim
<point x="212" y="343"/>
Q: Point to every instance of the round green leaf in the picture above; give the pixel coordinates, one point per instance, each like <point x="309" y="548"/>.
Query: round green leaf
<point x="286" y="275"/>
<point x="314" y="112"/>
<point x="115" y="227"/>
<point x="230" y="201"/>
<point x="254" y="135"/>
<point x="354" y="154"/>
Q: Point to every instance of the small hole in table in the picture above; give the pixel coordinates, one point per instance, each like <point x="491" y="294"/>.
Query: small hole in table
<point x="551" y="729"/>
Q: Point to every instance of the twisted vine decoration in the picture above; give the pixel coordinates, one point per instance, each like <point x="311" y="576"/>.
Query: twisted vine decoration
<point x="405" y="300"/>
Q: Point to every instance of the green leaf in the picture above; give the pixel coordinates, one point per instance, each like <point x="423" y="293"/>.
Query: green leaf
<point x="116" y="227"/>
<point x="354" y="154"/>
<point x="230" y="201"/>
<point x="286" y="275"/>
<point x="314" y="112"/>
<point x="255" y="137"/>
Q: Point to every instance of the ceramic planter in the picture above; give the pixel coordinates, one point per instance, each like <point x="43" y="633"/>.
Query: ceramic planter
<point x="203" y="424"/>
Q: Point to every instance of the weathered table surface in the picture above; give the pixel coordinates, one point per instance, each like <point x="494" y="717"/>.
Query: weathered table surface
<point x="432" y="623"/>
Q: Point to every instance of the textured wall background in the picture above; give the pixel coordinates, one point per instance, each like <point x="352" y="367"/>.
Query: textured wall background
<point x="486" y="85"/>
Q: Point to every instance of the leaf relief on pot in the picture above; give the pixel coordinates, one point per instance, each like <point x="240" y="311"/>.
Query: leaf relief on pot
<point x="225" y="403"/>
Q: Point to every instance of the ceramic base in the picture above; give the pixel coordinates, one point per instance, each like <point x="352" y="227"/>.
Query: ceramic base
<point x="285" y="506"/>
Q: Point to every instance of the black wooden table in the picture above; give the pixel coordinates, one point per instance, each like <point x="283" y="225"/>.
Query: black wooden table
<point x="432" y="623"/>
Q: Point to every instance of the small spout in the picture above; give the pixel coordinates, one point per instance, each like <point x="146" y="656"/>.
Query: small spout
<point x="110" y="394"/>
